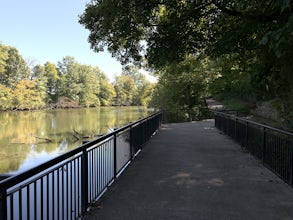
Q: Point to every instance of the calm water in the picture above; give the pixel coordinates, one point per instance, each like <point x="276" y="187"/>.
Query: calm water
<point x="30" y="138"/>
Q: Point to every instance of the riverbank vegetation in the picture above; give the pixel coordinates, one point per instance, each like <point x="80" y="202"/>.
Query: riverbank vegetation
<point x="230" y="49"/>
<point x="68" y="84"/>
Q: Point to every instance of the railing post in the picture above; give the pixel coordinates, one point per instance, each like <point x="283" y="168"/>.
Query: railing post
<point x="84" y="181"/>
<point x="3" y="204"/>
<point x="143" y="128"/>
<point x="264" y="145"/>
<point x="115" y="154"/>
<point x="291" y="172"/>
<point x="235" y="131"/>
<point x="246" y="137"/>
<point x="131" y="143"/>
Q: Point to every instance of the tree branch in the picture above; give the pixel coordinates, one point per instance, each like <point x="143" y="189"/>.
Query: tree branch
<point x="259" y="18"/>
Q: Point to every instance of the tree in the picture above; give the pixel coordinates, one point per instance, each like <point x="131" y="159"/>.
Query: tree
<point x="181" y="89"/>
<point x="143" y="88"/>
<point x="79" y="83"/>
<point x="125" y="90"/>
<point x="107" y="92"/>
<point x="90" y="89"/>
<point x="51" y="79"/>
<point x="15" y="67"/>
<point x="27" y="96"/>
<point x="38" y="71"/>
<point x="6" y="98"/>
<point x="256" y="34"/>
<point x="3" y="58"/>
<point x="172" y="29"/>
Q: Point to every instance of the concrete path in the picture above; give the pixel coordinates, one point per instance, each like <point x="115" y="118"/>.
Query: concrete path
<point x="192" y="171"/>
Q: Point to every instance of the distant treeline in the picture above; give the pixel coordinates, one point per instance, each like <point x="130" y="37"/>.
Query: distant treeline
<point x="69" y="84"/>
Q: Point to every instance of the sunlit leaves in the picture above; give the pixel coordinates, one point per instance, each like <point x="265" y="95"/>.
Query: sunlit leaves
<point x="26" y="96"/>
<point x="69" y="84"/>
<point x="182" y="87"/>
<point x="14" y="67"/>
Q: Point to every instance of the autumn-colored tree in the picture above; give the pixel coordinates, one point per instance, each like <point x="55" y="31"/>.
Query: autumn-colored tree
<point x="27" y="96"/>
<point x="6" y="98"/>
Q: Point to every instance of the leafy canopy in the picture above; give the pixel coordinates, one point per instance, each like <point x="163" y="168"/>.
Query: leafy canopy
<point x="166" y="31"/>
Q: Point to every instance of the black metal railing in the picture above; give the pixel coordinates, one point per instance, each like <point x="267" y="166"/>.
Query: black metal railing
<point x="65" y="187"/>
<point x="272" y="146"/>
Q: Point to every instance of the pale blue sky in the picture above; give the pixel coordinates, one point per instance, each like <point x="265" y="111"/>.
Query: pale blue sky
<point x="48" y="30"/>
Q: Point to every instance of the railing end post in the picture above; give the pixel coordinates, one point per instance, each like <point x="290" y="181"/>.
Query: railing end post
<point x="84" y="181"/>
<point x="3" y="204"/>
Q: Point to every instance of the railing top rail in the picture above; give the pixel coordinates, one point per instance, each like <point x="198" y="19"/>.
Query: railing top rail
<point x="13" y="180"/>
<point x="255" y="123"/>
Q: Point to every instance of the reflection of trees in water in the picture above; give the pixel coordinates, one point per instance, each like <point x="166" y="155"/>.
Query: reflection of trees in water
<point x="27" y="133"/>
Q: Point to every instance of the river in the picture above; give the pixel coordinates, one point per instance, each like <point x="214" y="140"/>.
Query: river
<point x="31" y="138"/>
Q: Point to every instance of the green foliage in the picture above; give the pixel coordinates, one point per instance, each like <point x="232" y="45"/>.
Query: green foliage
<point x="107" y="92"/>
<point x="3" y="58"/>
<point x="27" y="96"/>
<point x="125" y="90"/>
<point x="79" y="83"/>
<point x="69" y="84"/>
<point x="181" y="89"/>
<point x="6" y="98"/>
<point x="13" y="67"/>
<point x="250" y="41"/>
<point x="50" y="77"/>
<point x="132" y="88"/>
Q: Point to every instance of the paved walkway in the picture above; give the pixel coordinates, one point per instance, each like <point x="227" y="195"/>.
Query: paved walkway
<point x="192" y="171"/>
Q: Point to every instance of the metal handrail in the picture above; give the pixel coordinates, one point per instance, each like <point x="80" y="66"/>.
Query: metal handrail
<point x="254" y="123"/>
<point x="272" y="146"/>
<point x="81" y="164"/>
<point x="35" y="170"/>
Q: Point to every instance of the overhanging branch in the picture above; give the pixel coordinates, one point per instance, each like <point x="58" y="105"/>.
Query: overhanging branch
<point x="275" y="16"/>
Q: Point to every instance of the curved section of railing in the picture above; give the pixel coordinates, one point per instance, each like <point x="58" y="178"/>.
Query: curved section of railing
<point x="274" y="147"/>
<point x="65" y="187"/>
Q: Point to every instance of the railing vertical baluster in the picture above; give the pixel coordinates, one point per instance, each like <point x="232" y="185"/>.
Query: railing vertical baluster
<point x="115" y="155"/>
<point x="66" y="191"/>
<point x="48" y="196"/>
<point x="94" y="162"/>
<point x="84" y="181"/>
<point x="35" y="200"/>
<point x="3" y="204"/>
<point x="11" y="206"/>
<point x="58" y="194"/>
<point x="62" y="192"/>
<point x="53" y="194"/>
<point x="99" y="170"/>
<point x="131" y="143"/>
<point x="264" y="145"/>
<point x="79" y="187"/>
<point x="20" y="204"/>
<point x="72" y="188"/>
<point x="91" y="171"/>
<point x="42" y="197"/>
<point x="246" y="136"/>
<point x="27" y="202"/>
<point x="235" y="129"/>
<point x="291" y="160"/>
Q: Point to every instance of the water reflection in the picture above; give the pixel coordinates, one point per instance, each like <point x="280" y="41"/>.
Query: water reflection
<point x="31" y="138"/>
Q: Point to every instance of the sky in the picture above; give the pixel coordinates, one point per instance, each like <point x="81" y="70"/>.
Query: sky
<point x="48" y="30"/>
